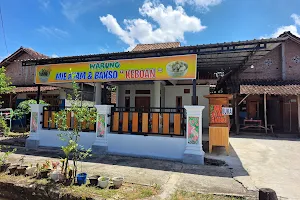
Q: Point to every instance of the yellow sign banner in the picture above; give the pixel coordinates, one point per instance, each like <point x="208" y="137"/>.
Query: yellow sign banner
<point x="158" y="68"/>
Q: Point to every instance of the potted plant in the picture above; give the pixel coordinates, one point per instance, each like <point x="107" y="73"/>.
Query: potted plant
<point x="56" y="174"/>
<point x="94" y="180"/>
<point x="117" y="181"/>
<point x="103" y="182"/>
<point x="45" y="169"/>
<point x="3" y="158"/>
<point x="22" y="168"/>
<point x="12" y="169"/>
<point x="30" y="171"/>
<point x="81" y="178"/>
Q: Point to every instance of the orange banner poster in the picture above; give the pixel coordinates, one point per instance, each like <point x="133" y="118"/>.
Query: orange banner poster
<point x="216" y="116"/>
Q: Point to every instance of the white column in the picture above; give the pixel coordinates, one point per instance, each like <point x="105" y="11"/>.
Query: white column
<point x="33" y="141"/>
<point x="194" y="153"/>
<point x="156" y="94"/>
<point x="100" y="145"/>
<point x="98" y="94"/>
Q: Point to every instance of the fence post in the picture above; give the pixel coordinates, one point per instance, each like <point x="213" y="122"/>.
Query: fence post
<point x="193" y="153"/>
<point x="33" y="141"/>
<point x="100" y="145"/>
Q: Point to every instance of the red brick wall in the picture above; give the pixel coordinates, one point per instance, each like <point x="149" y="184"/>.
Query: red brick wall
<point x="21" y="75"/>
<point x="292" y="68"/>
<point x="274" y="71"/>
<point x="263" y="71"/>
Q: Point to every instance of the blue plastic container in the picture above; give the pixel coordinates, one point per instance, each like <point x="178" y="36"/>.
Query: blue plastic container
<point x="81" y="178"/>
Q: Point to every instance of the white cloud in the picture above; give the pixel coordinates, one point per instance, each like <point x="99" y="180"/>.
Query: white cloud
<point x="292" y="28"/>
<point x="54" y="56"/>
<point x="44" y="3"/>
<point x="72" y="9"/>
<point x="53" y="32"/>
<point x="201" y="4"/>
<point x="172" y="24"/>
<point x="296" y="18"/>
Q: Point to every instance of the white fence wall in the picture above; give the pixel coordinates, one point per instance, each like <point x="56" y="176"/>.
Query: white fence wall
<point x="148" y="146"/>
<point x="50" y="138"/>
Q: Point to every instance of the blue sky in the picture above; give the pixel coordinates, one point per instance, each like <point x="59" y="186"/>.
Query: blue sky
<point x="75" y="27"/>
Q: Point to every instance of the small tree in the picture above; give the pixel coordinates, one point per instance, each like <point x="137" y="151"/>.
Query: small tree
<point x="24" y="109"/>
<point x="6" y="154"/>
<point x="5" y="88"/>
<point x="81" y="115"/>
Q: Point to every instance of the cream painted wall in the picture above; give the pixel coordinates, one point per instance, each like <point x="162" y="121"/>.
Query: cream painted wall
<point x="132" y="95"/>
<point x="178" y="90"/>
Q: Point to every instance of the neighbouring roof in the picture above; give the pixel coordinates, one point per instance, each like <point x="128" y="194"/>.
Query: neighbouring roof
<point x="269" y="86"/>
<point x="14" y="57"/>
<point x="270" y="89"/>
<point x="34" y="89"/>
<point x="146" y="47"/>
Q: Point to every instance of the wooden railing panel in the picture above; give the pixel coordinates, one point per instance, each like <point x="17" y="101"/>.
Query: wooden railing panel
<point x="83" y="125"/>
<point x="92" y="126"/>
<point x="145" y="122"/>
<point x="135" y="122"/>
<point x="125" y="122"/>
<point x="155" y="123"/>
<point x="177" y="124"/>
<point x="166" y="123"/>
<point x="46" y="119"/>
<point x="52" y="119"/>
<point x="116" y="120"/>
<point x="140" y="121"/>
<point x="69" y="119"/>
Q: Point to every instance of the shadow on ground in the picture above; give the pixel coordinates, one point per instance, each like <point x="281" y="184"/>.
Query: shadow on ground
<point x="13" y="141"/>
<point x="212" y="167"/>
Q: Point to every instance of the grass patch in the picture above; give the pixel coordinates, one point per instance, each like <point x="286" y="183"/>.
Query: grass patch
<point x="182" y="195"/>
<point x="127" y="191"/>
<point x="16" y="134"/>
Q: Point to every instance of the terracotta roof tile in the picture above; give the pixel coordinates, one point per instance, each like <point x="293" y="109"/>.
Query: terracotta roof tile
<point x="14" y="56"/>
<point x="34" y="54"/>
<point x="147" y="47"/>
<point x="34" y="89"/>
<point x="270" y="89"/>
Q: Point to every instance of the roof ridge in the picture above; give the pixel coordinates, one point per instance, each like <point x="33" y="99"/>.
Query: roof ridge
<point x="157" y="43"/>
<point x="34" y="54"/>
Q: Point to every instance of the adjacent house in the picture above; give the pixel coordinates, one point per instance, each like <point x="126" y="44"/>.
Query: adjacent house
<point x="23" y="78"/>
<point x="268" y="91"/>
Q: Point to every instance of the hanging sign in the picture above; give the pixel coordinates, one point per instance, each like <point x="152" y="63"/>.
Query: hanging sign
<point x="226" y="111"/>
<point x="159" y="68"/>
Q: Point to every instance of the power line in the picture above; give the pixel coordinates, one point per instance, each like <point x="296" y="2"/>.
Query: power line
<point x="3" y="31"/>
